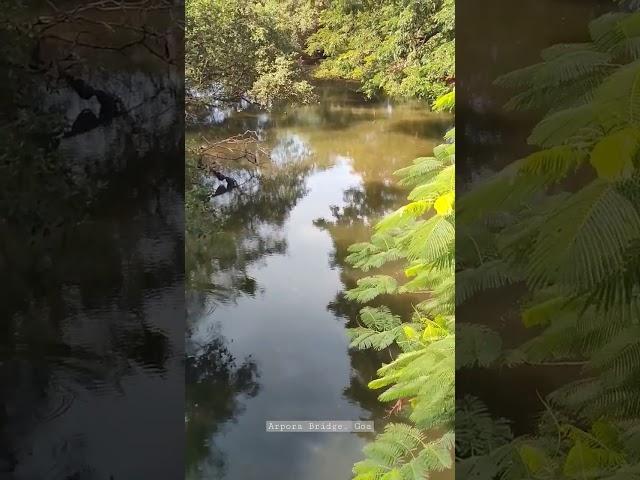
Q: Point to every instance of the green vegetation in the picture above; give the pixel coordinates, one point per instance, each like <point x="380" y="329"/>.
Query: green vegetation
<point x="238" y="50"/>
<point x="421" y="378"/>
<point x="564" y="222"/>
<point x="28" y="139"/>
<point x="402" y="48"/>
<point x="246" y="50"/>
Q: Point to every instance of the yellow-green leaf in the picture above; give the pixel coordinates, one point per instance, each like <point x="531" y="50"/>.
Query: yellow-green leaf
<point x="413" y="270"/>
<point x="606" y="433"/>
<point x="392" y="475"/>
<point x="409" y="332"/>
<point x="416" y="209"/>
<point x="444" y="203"/>
<point x="365" y="476"/>
<point x="541" y="314"/>
<point x="534" y="458"/>
<point x="430" y="333"/>
<point x="382" y="382"/>
<point x="613" y="156"/>
<point x="584" y="460"/>
<point x="445" y="102"/>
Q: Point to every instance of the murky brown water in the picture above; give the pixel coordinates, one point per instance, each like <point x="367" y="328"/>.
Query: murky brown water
<point x="266" y="285"/>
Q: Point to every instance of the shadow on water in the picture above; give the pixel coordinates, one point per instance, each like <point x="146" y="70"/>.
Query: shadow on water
<point x="101" y="327"/>
<point x="91" y="339"/>
<point x="266" y="271"/>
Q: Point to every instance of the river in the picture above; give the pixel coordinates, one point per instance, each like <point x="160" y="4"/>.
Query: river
<point x="266" y="312"/>
<point x="91" y="248"/>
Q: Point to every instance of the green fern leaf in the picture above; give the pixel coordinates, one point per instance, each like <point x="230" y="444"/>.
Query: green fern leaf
<point x="369" y="288"/>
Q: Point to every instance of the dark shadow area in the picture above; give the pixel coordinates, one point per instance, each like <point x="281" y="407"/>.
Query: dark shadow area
<point x="415" y="128"/>
<point x="91" y="249"/>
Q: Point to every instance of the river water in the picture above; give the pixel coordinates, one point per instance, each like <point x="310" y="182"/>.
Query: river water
<point x="91" y="249"/>
<point x="91" y="353"/>
<point x="266" y="312"/>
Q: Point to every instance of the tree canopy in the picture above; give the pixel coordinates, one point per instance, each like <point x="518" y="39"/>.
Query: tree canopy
<point x="402" y="48"/>
<point x="239" y="50"/>
<point x="254" y="50"/>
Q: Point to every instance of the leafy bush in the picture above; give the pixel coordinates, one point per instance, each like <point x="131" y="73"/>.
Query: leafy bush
<point x="421" y="378"/>
<point x="565" y="222"/>
<point x="239" y="50"/>
<point x="402" y="48"/>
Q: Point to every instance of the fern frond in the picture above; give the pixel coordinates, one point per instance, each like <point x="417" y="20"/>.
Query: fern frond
<point x="489" y="275"/>
<point x="422" y="171"/>
<point x="563" y="127"/>
<point x="477" y="432"/>
<point x="431" y="240"/>
<point x="476" y="345"/>
<point x="369" y="288"/>
<point x="620" y="358"/>
<point x="365" y="338"/>
<point x="403" y="453"/>
<point x="619" y="94"/>
<point x="553" y="164"/>
<point x="584" y="238"/>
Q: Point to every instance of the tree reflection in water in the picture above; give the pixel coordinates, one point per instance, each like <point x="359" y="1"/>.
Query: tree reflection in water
<point x="88" y="330"/>
<point x="215" y="384"/>
<point x="226" y="235"/>
<point x="351" y="223"/>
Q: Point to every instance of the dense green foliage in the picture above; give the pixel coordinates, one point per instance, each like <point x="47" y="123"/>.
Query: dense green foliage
<point x="420" y="379"/>
<point x="403" y="48"/>
<point x="253" y="50"/>
<point x="246" y="50"/>
<point x="565" y="222"/>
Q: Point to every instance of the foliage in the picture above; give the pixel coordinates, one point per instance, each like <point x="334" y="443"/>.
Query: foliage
<point x="565" y="222"/>
<point x="403" y="48"/>
<point x="239" y="50"/>
<point x="248" y="50"/>
<point x="420" y="234"/>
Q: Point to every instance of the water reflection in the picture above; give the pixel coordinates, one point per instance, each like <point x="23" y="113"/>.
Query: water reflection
<point x="215" y="383"/>
<point x="266" y="270"/>
<point x="348" y="223"/>
<point x="290" y="148"/>
<point x="97" y="334"/>
<point x="236" y="230"/>
<point x="91" y="243"/>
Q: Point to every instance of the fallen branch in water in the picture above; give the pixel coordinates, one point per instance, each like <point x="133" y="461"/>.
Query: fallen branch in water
<point x="244" y="146"/>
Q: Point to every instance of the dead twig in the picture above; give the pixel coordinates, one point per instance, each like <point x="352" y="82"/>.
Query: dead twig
<point x="243" y="146"/>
